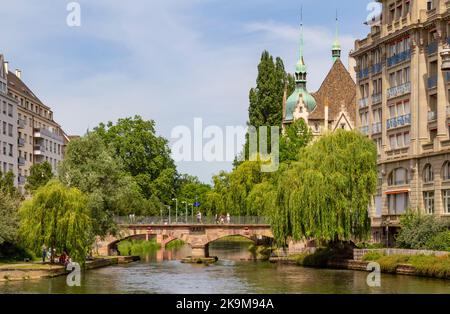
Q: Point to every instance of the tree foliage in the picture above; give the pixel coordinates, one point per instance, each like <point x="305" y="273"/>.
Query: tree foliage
<point x="58" y="217"/>
<point x="40" y="175"/>
<point x="419" y="231"/>
<point x="325" y="194"/>
<point x="296" y="136"/>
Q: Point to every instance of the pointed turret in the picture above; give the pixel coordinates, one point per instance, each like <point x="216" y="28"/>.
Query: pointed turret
<point x="336" y="49"/>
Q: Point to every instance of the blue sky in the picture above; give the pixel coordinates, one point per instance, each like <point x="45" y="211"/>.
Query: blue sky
<point x="167" y="60"/>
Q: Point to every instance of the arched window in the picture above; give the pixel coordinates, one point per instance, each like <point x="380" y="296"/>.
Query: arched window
<point x="428" y="175"/>
<point x="398" y="176"/>
<point x="446" y="171"/>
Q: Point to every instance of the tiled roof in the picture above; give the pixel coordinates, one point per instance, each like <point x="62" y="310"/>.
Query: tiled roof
<point x="19" y="86"/>
<point x="337" y="90"/>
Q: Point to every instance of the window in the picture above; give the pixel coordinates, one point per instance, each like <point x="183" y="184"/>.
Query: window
<point x="428" y="175"/>
<point x="398" y="176"/>
<point x="428" y="198"/>
<point x="398" y="203"/>
<point x="446" y="171"/>
<point x="446" y="201"/>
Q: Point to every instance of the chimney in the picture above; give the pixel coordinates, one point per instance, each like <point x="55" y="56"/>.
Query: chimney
<point x="19" y="73"/>
<point x="326" y="116"/>
<point x="6" y="64"/>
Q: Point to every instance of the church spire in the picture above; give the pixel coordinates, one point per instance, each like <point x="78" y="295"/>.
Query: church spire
<point x="300" y="69"/>
<point x="336" y="49"/>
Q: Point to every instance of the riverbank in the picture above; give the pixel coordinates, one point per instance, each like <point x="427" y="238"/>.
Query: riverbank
<point x="414" y="264"/>
<point x="31" y="271"/>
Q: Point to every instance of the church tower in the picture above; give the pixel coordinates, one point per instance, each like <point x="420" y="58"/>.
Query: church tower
<point x="336" y="49"/>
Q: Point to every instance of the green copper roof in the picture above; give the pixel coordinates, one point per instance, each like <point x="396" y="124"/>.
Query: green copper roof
<point x="292" y="101"/>
<point x="301" y="66"/>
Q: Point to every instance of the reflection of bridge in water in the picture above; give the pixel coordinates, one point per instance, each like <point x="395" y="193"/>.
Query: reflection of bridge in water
<point x="192" y="232"/>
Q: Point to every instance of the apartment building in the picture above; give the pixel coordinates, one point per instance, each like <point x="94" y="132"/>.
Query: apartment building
<point x="403" y="91"/>
<point x="38" y="137"/>
<point x="8" y="125"/>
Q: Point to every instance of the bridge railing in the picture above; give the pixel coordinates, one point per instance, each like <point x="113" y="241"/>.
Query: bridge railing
<point x="183" y="220"/>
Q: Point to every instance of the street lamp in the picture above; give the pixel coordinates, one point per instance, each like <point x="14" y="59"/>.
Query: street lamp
<point x="192" y="211"/>
<point x="186" y="211"/>
<point x="176" y="209"/>
<point x="168" y="207"/>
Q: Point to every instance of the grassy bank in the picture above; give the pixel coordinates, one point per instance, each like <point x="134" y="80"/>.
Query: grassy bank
<point x="137" y="247"/>
<point x="175" y="244"/>
<point x="430" y="266"/>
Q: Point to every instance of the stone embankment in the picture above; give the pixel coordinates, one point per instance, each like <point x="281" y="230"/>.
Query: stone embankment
<point x="30" y="271"/>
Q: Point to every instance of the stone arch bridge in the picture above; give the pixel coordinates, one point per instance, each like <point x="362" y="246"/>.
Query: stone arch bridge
<point x="198" y="236"/>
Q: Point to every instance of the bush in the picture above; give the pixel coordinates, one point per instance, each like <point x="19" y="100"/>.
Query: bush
<point x="372" y="256"/>
<point x="417" y="230"/>
<point x="390" y="263"/>
<point x="137" y="247"/>
<point x="12" y="252"/>
<point x="440" y="242"/>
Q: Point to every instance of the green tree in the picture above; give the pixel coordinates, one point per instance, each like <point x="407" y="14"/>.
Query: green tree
<point x="193" y="190"/>
<point x="40" y="175"/>
<point x="144" y="155"/>
<point x="216" y="200"/>
<point x="58" y="217"/>
<point x="8" y="217"/>
<point x="418" y="231"/>
<point x="325" y="195"/>
<point x="89" y="165"/>
<point x="296" y="136"/>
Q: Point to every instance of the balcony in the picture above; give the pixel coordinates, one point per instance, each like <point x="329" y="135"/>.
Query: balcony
<point x="432" y="116"/>
<point x="21" y="161"/>
<point x="39" y="150"/>
<point x="363" y="103"/>
<point x="21" y="123"/>
<point x="45" y="133"/>
<point x="21" y="180"/>
<point x="432" y="48"/>
<point x="377" y="98"/>
<point x="399" y="90"/>
<point x="398" y="121"/>
<point x="364" y="130"/>
<point x="21" y="142"/>
<point x="377" y="68"/>
<point x="399" y="58"/>
<point x="363" y="74"/>
<point x="432" y="81"/>
<point x="376" y="128"/>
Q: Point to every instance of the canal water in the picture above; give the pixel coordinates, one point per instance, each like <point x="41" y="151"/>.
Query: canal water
<point x="161" y="272"/>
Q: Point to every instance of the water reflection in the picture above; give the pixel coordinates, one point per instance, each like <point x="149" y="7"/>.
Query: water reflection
<point x="161" y="272"/>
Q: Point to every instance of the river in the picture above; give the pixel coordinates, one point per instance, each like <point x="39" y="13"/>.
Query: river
<point x="161" y="272"/>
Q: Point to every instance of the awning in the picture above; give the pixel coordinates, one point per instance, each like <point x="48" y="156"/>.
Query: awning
<point x="398" y="192"/>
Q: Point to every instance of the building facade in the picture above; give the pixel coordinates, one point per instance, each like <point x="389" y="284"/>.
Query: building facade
<point x="36" y="136"/>
<point x="332" y="106"/>
<point x="403" y="105"/>
<point x="8" y="126"/>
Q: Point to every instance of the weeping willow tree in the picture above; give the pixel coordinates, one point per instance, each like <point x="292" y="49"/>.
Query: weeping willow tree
<point x="58" y="217"/>
<point x="325" y="194"/>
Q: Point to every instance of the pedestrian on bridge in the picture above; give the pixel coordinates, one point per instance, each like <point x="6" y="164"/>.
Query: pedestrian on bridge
<point x="228" y="218"/>
<point x="199" y="217"/>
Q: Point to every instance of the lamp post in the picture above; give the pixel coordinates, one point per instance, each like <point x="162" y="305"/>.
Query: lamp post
<point x="186" y="212"/>
<point x="192" y="211"/>
<point x="176" y="209"/>
<point x="168" y="207"/>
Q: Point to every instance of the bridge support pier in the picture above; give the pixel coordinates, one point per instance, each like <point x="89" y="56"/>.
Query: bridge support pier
<point x="200" y="251"/>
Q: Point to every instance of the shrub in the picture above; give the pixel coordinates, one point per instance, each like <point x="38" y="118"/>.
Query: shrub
<point x="416" y="230"/>
<point x="137" y="247"/>
<point x="390" y="263"/>
<point x="440" y="242"/>
<point x="372" y="256"/>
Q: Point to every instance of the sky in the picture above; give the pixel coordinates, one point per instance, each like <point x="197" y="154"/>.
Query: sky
<point x="166" y="60"/>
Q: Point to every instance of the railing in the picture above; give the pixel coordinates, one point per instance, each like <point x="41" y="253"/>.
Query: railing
<point x="399" y="90"/>
<point x="432" y="81"/>
<point x="47" y="133"/>
<point x="376" y="128"/>
<point x="377" y="98"/>
<point x="377" y="68"/>
<point x="40" y="148"/>
<point x="364" y="129"/>
<point x="398" y="121"/>
<point x="432" y="48"/>
<point x="398" y="58"/>
<point x="363" y="73"/>
<point x="183" y="220"/>
<point x="363" y="103"/>
<point x="432" y="116"/>
<point x="21" y="141"/>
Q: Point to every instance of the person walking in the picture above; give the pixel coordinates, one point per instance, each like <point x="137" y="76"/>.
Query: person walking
<point x="228" y="218"/>
<point x="44" y="252"/>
